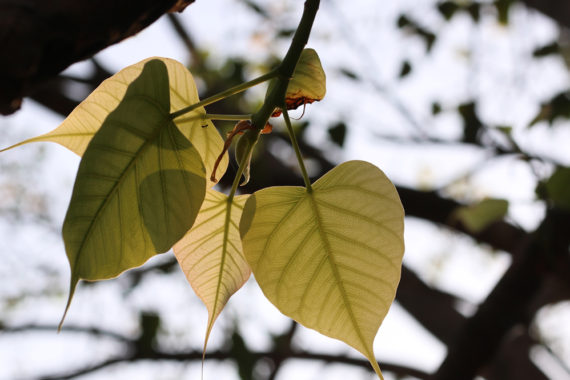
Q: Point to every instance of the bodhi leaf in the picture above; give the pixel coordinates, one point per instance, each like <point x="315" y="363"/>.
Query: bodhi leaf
<point x="139" y="185"/>
<point x="330" y="258"/>
<point x="211" y="254"/>
<point x="78" y="128"/>
<point x="308" y="83"/>
<point x="477" y="217"/>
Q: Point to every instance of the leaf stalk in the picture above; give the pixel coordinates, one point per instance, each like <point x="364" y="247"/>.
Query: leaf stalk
<point x="295" y="144"/>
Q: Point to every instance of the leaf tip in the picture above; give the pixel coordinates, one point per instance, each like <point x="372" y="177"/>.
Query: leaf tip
<point x="72" y="286"/>
<point x="376" y="368"/>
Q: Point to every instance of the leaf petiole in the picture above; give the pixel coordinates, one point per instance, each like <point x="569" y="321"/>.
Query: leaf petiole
<point x="210" y="116"/>
<point x="225" y="94"/>
<point x="297" y="149"/>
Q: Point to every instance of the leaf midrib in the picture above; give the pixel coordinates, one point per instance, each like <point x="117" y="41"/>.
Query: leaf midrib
<point x="336" y="273"/>
<point x="123" y="175"/>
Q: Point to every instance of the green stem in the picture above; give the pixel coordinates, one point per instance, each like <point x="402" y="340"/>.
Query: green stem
<point x="297" y="150"/>
<point x="224" y="94"/>
<point x="285" y="70"/>
<point x="211" y="116"/>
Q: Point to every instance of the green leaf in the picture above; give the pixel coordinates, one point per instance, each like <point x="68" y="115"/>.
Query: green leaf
<point x="308" y="83"/>
<point x="139" y="185"/>
<point x="337" y="133"/>
<point x="557" y="188"/>
<point x="406" y="69"/>
<point x="331" y="258"/>
<point x="547" y="50"/>
<point x="557" y="107"/>
<point x="471" y="122"/>
<point x="479" y="216"/>
<point x="448" y="9"/>
<point x="78" y="128"/>
<point x="309" y="80"/>
<point x="211" y="254"/>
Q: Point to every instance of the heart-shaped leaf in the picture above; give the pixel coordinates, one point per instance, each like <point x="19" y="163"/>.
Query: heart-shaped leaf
<point x="329" y="258"/>
<point x="211" y="254"/>
<point x="139" y="185"/>
<point x="78" y="128"/>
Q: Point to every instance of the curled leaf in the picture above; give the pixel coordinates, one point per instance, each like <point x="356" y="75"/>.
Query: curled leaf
<point x="242" y="149"/>
<point x="308" y="83"/>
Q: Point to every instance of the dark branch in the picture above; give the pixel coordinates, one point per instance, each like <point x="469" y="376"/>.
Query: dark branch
<point x="397" y="369"/>
<point x="433" y="308"/>
<point x="74" y="329"/>
<point x="557" y="10"/>
<point x="39" y="39"/>
<point x="507" y="305"/>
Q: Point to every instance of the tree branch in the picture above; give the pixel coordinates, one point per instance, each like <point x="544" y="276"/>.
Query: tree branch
<point x="75" y="329"/>
<point x="397" y="369"/>
<point x="39" y="39"/>
<point x="506" y="306"/>
<point x="557" y="10"/>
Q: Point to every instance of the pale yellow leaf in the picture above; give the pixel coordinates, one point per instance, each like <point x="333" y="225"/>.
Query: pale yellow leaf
<point x="139" y="186"/>
<point x="78" y="128"/>
<point x="330" y="258"/>
<point x="211" y="255"/>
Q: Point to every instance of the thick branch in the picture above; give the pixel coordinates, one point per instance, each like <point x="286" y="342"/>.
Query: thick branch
<point x="556" y="9"/>
<point x="507" y="305"/>
<point x="39" y="39"/>
<point x="433" y="308"/>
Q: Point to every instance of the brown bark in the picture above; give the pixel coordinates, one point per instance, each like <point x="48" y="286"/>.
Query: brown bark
<point x="39" y="39"/>
<point x="558" y="10"/>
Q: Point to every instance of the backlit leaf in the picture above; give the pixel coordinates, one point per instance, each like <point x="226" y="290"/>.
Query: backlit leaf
<point x="308" y="83"/>
<point x="211" y="254"/>
<point x="78" y="128"/>
<point x="331" y="258"/>
<point x="139" y="185"/>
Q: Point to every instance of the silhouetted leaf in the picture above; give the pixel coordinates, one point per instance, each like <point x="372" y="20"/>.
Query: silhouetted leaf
<point x="435" y="108"/>
<point x="474" y="10"/>
<point x="447" y="9"/>
<point x="557" y="107"/>
<point x="503" y="8"/>
<point x="405" y="69"/>
<point x="349" y="74"/>
<point x="556" y="189"/>
<point x="477" y="217"/>
<point x="471" y="122"/>
<point x="337" y="133"/>
<point x="412" y="27"/>
<point x="548" y="49"/>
